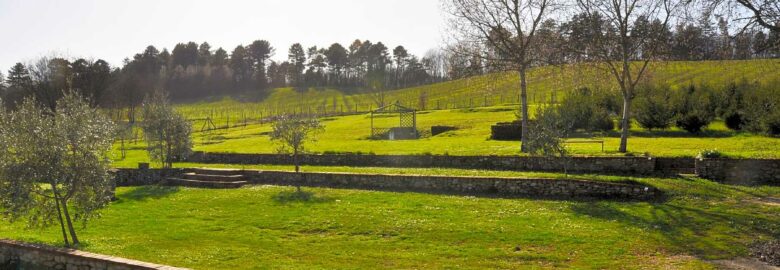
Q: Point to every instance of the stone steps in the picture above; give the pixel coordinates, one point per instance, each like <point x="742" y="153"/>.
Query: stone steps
<point x="211" y="171"/>
<point x="202" y="184"/>
<point x="209" y="178"/>
<point x="213" y="177"/>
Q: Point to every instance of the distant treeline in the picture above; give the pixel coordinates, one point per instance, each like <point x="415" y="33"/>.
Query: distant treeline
<point x="191" y="71"/>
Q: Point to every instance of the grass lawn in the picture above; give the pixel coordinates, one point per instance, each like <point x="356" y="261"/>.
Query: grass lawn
<point x="350" y="134"/>
<point x="262" y="227"/>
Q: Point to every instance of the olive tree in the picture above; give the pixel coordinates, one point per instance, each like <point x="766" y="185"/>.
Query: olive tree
<point x="167" y="133"/>
<point x="548" y="133"/>
<point x="292" y="132"/>
<point x="54" y="165"/>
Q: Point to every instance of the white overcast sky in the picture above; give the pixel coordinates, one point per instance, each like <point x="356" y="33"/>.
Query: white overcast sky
<point x="116" y="29"/>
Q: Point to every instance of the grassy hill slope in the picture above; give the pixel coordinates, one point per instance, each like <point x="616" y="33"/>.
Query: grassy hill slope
<point x="545" y="84"/>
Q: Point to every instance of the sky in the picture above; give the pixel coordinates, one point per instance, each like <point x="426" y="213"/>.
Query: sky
<point x="116" y="29"/>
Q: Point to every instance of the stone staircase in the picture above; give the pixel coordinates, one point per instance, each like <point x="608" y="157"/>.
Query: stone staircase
<point x="209" y="178"/>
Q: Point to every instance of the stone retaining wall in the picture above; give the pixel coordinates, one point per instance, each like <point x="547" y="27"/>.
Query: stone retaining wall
<point x="142" y="177"/>
<point x="740" y="171"/>
<point x="19" y="255"/>
<point x="671" y="166"/>
<point x="604" y="165"/>
<point x="504" y="187"/>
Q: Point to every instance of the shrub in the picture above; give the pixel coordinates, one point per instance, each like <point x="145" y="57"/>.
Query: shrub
<point x="695" y="109"/>
<point x="773" y="123"/>
<point x="734" y="120"/>
<point x="586" y="109"/>
<point x="710" y="153"/>
<point x="577" y="109"/>
<point x="601" y="121"/>
<point x="547" y="132"/>
<point x="653" y="108"/>
<point x="692" y="123"/>
<point x="761" y="106"/>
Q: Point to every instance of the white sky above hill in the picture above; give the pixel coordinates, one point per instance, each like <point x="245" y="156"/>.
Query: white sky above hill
<point x="116" y="29"/>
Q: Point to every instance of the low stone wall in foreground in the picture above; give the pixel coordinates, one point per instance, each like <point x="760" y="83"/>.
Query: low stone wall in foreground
<point x="19" y="255"/>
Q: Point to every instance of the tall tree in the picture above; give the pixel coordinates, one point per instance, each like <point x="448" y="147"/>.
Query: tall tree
<point x="242" y="67"/>
<point x="220" y="57"/>
<point x="259" y="52"/>
<point x="625" y="43"/>
<point x="204" y="54"/>
<point x="51" y="77"/>
<point x="185" y="54"/>
<point x="401" y="56"/>
<point x="297" y="59"/>
<point x="91" y="79"/>
<point x="337" y="61"/>
<point x="507" y="28"/>
<point x="19" y="77"/>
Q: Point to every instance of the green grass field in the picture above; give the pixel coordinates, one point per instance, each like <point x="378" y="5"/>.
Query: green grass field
<point x="350" y="134"/>
<point x="262" y="227"/>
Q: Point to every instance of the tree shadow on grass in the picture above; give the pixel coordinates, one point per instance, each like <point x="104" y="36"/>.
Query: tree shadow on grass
<point x="707" y="133"/>
<point x="707" y="233"/>
<point x="307" y="197"/>
<point x="147" y="192"/>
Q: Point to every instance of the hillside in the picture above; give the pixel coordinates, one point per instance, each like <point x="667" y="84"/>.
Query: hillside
<point x="545" y="84"/>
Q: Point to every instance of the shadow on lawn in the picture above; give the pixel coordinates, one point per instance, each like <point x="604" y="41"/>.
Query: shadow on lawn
<point x="708" y="233"/>
<point x="148" y="192"/>
<point x="679" y="134"/>
<point x="286" y="197"/>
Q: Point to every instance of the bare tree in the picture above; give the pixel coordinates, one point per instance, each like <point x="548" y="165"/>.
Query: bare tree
<point x="765" y="13"/>
<point x="506" y="32"/>
<point x="624" y="37"/>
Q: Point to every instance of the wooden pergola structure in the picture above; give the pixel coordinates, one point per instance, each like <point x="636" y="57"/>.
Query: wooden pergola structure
<point x="407" y="123"/>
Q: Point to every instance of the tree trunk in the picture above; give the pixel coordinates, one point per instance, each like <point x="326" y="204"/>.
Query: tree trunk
<point x="70" y="223"/>
<point x="168" y="156"/>
<point x="625" y="123"/>
<point x="523" y="110"/>
<point x="297" y="170"/>
<point x="59" y="214"/>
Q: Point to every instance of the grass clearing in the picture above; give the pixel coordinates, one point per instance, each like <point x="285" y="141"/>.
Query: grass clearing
<point x="350" y="134"/>
<point x="268" y="227"/>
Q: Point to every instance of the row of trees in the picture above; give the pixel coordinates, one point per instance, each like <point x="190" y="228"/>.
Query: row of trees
<point x="47" y="79"/>
<point x="752" y="107"/>
<point x="192" y="70"/>
<point x="745" y="106"/>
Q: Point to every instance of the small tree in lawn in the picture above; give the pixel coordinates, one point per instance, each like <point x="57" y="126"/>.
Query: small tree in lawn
<point x="548" y="133"/>
<point x="54" y="165"/>
<point x="167" y="133"/>
<point x="292" y="132"/>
